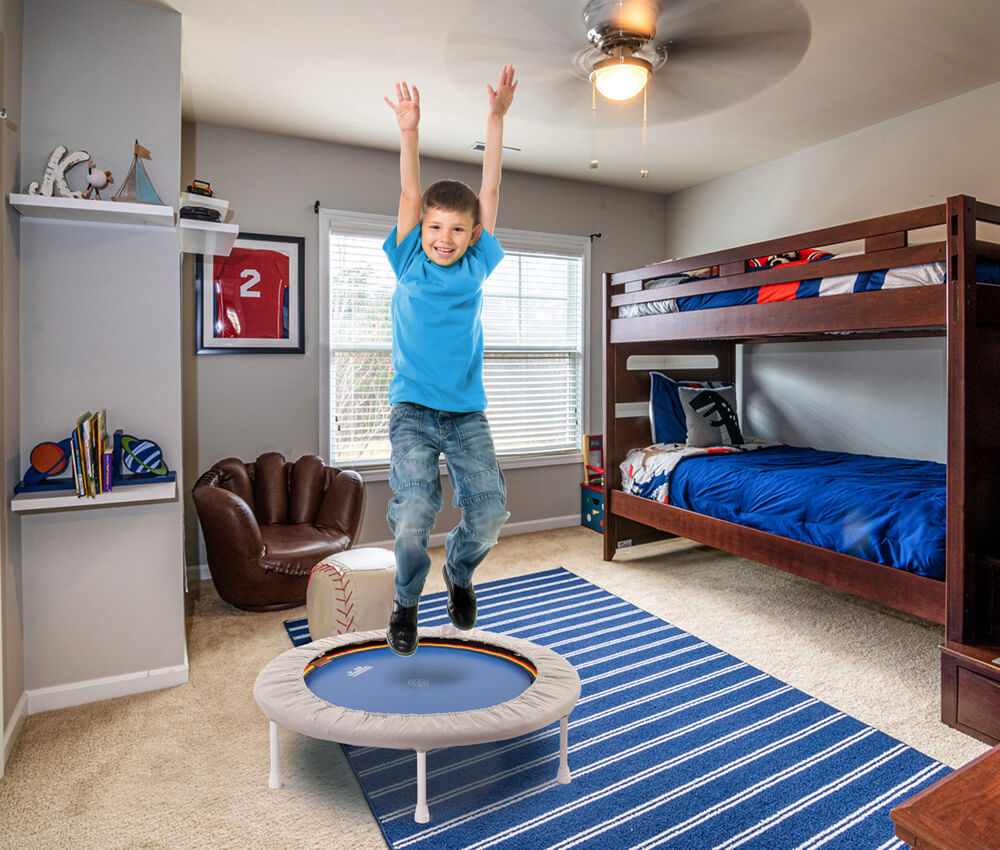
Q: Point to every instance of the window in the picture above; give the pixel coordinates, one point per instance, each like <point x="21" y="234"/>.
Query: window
<point x="533" y="319"/>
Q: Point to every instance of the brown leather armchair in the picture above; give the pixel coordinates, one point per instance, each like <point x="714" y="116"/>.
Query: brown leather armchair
<point x="268" y="523"/>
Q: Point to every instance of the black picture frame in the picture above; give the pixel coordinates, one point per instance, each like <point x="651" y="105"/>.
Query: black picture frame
<point x="275" y="282"/>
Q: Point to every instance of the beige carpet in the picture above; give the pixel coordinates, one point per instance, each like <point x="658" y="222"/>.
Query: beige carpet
<point x="187" y="767"/>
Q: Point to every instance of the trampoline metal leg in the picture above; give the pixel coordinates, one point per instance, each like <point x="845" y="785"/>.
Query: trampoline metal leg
<point x="274" y="778"/>
<point x="563" y="777"/>
<point x="421" y="813"/>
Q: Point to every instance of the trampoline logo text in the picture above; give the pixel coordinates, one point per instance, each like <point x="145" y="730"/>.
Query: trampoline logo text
<point x="357" y="671"/>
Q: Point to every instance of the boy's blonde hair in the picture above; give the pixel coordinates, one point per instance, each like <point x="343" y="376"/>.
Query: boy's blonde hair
<point x="453" y="195"/>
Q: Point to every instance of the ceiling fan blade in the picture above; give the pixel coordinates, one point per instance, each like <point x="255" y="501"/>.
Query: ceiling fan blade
<point x="539" y="40"/>
<point x="527" y="26"/>
<point x="560" y="18"/>
<point x="680" y="19"/>
<point x="471" y="67"/>
<point x="720" y="52"/>
<point x="463" y="43"/>
<point x="765" y="57"/>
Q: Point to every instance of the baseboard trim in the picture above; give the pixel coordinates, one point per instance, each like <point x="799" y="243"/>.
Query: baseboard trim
<point x="200" y="571"/>
<point x="108" y="687"/>
<point x="546" y="524"/>
<point x="13" y="730"/>
<point x="508" y="530"/>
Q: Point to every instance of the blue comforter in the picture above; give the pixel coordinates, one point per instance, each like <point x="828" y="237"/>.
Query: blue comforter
<point x="887" y="510"/>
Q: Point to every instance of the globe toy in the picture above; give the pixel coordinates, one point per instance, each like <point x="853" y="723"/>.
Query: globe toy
<point x="47" y="459"/>
<point x="142" y="457"/>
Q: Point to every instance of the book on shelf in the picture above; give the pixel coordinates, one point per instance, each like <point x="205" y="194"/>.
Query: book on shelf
<point x="88" y="442"/>
<point x="83" y="445"/>
<point x="75" y="459"/>
<point x="107" y="454"/>
<point x="95" y="450"/>
<point x="81" y="442"/>
<point x="100" y="441"/>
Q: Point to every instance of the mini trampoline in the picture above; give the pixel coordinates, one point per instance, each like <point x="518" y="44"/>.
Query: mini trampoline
<point x="457" y="689"/>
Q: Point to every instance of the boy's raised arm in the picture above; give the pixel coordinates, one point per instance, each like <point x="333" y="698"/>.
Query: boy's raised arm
<point x="489" y="193"/>
<point x="407" y="109"/>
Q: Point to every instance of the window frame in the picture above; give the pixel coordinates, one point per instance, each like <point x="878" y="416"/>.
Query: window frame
<point x="515" y="240"/>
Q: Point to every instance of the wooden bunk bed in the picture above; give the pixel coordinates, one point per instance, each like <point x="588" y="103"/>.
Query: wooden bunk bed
<point x="967" y="602"/>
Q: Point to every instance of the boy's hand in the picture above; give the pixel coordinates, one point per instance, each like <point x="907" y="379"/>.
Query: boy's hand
<point x="407" y="108"/>
<point x="503" y="96"/>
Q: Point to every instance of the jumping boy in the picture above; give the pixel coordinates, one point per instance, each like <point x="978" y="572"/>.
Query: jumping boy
<point x="442" y="250"/>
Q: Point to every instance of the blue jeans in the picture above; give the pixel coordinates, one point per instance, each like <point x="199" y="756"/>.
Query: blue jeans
<point x="419" y="436"/>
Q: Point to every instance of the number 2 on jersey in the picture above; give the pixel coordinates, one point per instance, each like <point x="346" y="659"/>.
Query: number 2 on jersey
<point x="251" y="279"/>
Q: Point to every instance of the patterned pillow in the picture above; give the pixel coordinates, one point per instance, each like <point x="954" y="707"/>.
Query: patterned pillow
<point x="667" y="419"/>
<point x="711" y="417"/>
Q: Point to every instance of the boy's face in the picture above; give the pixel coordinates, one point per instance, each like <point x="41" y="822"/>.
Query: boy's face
<point x="446" y="235"/>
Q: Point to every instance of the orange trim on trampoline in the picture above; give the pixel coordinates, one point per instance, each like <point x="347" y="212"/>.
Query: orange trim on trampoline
<point x="447" y="644"/>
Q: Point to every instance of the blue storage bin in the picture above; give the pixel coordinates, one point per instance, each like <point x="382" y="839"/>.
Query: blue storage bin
<point x="592" y="507"/>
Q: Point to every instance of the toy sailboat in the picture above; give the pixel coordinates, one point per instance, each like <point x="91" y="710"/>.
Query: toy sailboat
<point x="137" y="186"/>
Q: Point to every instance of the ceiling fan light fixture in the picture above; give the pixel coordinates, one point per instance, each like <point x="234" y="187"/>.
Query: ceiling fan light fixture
<point x="622" y="76"/>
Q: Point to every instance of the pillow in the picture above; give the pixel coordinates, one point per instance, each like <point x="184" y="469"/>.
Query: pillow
<point x="710" y="414"/>
<point x="707" y="271"/>
<point x="807" y="255"/>
<point x="667" y="419"/>
<point x="670" y="280"/>
<point x="772" y="260"/>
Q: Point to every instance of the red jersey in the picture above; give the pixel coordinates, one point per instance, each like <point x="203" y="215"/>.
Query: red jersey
<point x="250" y="291"/>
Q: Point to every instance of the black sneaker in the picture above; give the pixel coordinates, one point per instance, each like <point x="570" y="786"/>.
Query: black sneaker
<point x="401" y="635"/>
<point x="461" y="603"/>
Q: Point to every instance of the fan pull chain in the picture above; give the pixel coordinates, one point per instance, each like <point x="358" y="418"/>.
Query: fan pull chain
<point x="643" y="170"/>
<point x="593" y="123"/>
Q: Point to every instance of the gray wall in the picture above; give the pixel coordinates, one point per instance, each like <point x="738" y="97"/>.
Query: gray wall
<point x="11" y="637"/>
<point x="876" y="396"/>
<point x="100" y="327"/>
<point x="244" y="405"/>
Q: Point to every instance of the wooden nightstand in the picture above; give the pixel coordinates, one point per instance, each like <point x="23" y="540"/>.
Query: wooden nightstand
<point x="959" y="812"/>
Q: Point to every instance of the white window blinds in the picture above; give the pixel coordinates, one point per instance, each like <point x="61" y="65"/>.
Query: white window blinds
<point x="533" y="329"/>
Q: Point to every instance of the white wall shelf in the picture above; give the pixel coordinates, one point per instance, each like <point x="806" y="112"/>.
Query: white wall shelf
<point x="189" y="199"/>
<point x="78" y="209"/>
<point x="123" y="494"/>
<point x="207" y="237"/>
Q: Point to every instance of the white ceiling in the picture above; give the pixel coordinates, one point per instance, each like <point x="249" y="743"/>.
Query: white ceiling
<point x="319" y="68"/>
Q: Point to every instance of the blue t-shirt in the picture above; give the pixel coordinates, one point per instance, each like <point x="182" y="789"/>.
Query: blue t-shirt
<point x="437" y="328"/>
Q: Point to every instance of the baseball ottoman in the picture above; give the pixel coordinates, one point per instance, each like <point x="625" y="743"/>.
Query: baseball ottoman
<point x="351" y="591"/>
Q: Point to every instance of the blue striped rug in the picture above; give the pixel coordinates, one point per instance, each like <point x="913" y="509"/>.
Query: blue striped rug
<point x="673" y="743"/>
<point x="298" y="631"/>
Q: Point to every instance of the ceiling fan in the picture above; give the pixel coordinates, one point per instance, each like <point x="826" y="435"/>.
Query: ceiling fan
<point x="689" y="56"/>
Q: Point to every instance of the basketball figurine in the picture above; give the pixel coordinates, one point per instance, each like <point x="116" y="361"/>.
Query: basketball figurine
<point x="47" y="459"/>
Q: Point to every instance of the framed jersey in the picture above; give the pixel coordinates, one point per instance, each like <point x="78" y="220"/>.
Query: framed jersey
<point x="251" y="301"/>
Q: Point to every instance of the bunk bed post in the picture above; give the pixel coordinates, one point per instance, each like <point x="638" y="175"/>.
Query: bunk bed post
<point x="970" y="655"/>
<point x="960" y="242"/>
<point x="610" y="449"/>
